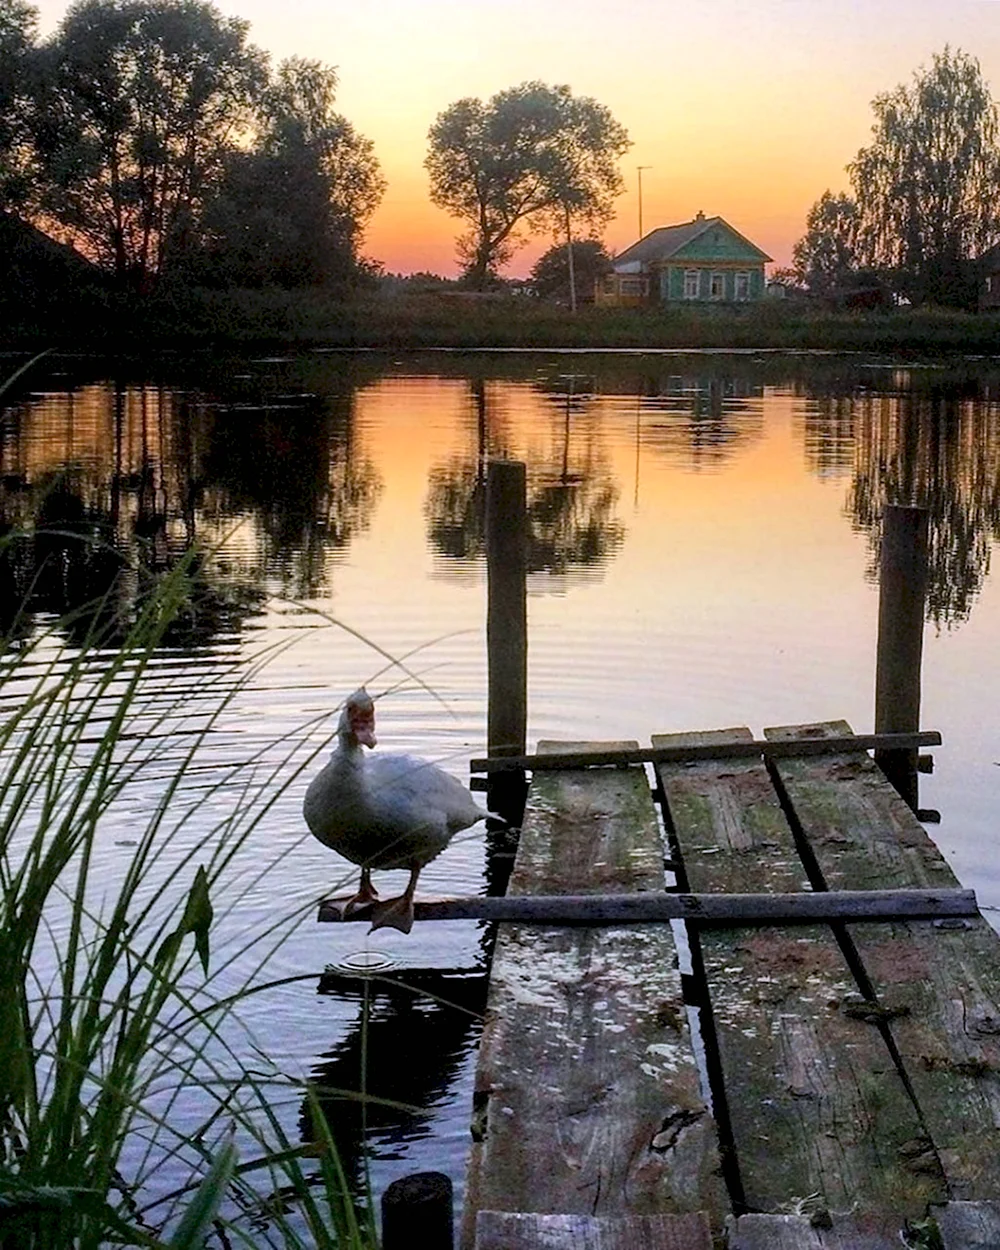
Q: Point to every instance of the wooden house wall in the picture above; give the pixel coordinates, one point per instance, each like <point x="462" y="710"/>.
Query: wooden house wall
<point x="671" y="279"/>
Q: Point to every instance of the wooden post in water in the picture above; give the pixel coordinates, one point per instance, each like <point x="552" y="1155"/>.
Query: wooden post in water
<point x="417" y="1212"/>
<point x="507" y="629"/>
<point x="902" y="591"/>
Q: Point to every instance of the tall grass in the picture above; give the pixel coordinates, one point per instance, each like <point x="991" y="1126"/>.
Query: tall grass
<point x="115" y="1005"/>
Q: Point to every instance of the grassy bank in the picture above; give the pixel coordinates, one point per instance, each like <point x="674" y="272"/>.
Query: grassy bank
<point x="314" y="318"/>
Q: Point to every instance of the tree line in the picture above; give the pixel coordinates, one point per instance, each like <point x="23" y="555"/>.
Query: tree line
<point x="924" y="203"/>
<point x="153" y="137"/>
<point x="156" y="140"/>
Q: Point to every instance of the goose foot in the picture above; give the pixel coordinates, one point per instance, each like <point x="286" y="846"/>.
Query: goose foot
<point x="394" y="913"/>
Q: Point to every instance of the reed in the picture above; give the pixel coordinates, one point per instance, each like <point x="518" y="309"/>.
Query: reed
<point x="115" y="1004"/>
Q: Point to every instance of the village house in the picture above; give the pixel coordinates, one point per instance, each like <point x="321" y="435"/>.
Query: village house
<point x="705" y="259"/>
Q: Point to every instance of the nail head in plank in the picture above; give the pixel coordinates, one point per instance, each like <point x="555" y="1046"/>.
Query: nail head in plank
<point x="939" y="985"/>
<point x="503" y="1230"/>
<point x="815" y="1102"/>
<point x="587" y="1090"/>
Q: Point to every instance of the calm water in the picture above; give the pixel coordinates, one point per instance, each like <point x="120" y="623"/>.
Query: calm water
<point x="704" y="533"/>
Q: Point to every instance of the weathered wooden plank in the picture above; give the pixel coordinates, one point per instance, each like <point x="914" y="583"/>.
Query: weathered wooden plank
<point x="587" y="1090"/>
<point x="502" y="1230"/>
<point x="936" y="985"/>
<point x="600" y="909"/>
<point x="799" y="1232"/>
<point x="816" y="1107"/>
<point x="968" y="1225"/>
<point x="702" y="750"/>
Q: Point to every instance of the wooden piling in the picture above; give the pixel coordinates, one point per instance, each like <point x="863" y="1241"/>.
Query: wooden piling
<point x="417" y="1211"/>
<point x="902" y="591"/>
<point x="507" y="628"/>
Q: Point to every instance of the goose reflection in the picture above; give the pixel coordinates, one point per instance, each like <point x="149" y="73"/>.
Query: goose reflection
<point x="413" y="1032"/>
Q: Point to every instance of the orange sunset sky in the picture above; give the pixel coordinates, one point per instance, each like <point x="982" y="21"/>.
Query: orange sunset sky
<point x="748" y="109"/>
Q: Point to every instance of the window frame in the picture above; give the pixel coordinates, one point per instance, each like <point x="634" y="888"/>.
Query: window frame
<point x="690" y="274"/>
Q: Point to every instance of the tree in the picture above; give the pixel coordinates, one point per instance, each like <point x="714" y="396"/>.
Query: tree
<point x="145" y="98"/>
<point x="926" y="187"/>
<point x="17" y="36"/>
<point x="825" y="258"/>
<point x="550" y="275"/>
<point x="530" y="157"/>
<point x="291" y="210"/>
<point x="301" y="114"/>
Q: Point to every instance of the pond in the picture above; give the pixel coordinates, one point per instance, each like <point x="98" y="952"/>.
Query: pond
<point x="704" y="535"/>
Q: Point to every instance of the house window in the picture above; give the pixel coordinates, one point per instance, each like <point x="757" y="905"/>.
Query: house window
<point x="690" y="283"/>
<point x="717" y="288"/>
<point x="631" y="286"/>
<point x="742" y="286"/>
<point x="610" y="284"/>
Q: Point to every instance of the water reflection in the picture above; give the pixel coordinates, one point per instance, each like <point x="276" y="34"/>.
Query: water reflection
<point x="103" y="486"/>
<point x="573" y="525"/>
<point x="701" y="421"/>
<point x="917" y="438"/>
<point x="412" y="1033"/>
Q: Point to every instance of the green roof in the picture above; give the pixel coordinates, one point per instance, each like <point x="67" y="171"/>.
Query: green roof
<point x="681" y="242"/>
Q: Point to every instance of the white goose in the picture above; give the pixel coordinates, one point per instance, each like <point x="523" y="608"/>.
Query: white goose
<point x="385" y="811"/>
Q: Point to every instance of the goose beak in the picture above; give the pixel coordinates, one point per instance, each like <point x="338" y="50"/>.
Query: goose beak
<point x="363" y="727"/>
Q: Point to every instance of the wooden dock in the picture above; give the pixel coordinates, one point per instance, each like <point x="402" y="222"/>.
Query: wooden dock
<point x="853" y="1066"/>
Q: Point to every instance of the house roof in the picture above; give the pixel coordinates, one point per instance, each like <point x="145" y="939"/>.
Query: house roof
<point x="991" y="257"/>
<point x="666" y="241"/>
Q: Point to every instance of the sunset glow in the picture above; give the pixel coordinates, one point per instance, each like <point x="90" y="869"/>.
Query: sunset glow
<point x="745" y="108"/>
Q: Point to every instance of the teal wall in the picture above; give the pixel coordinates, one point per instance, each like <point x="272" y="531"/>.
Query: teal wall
<point x="672" y="280"/>
<point x="718" y="243"/>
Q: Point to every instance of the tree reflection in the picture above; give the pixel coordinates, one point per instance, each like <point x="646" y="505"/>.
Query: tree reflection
<point x="104" y="487"/>
<point x="572" y="496"/>
<point x="935" y="443"/>
<point x="292" y="465"/>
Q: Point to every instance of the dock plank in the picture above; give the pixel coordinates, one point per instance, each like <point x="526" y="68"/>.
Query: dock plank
<point x="501" y="1230"/>
<point x="816" y="1107"/>
<point x="798" y="1232"/>
<point x="936" y="985"/>
<point x="969" y="1225"/>
<point x="588" y="1099"/>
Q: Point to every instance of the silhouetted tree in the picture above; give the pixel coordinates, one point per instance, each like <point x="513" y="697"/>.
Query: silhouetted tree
<point x="17" y="34"/>
<point x="142" y="100"/>
<point x="527" y="158"/>
<point x="550" y="275"/>
<point x="291" y="210"/>
<point x="926" y="187"/>
<point x="826" y="257"/>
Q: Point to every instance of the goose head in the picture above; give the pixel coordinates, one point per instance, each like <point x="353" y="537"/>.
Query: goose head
<point x="357" y="720"/>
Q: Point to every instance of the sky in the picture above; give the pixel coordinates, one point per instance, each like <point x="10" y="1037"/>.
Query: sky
<point x="746" y="109"/>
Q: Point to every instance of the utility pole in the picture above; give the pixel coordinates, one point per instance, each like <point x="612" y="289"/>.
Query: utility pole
<point x="638" y="170"/>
